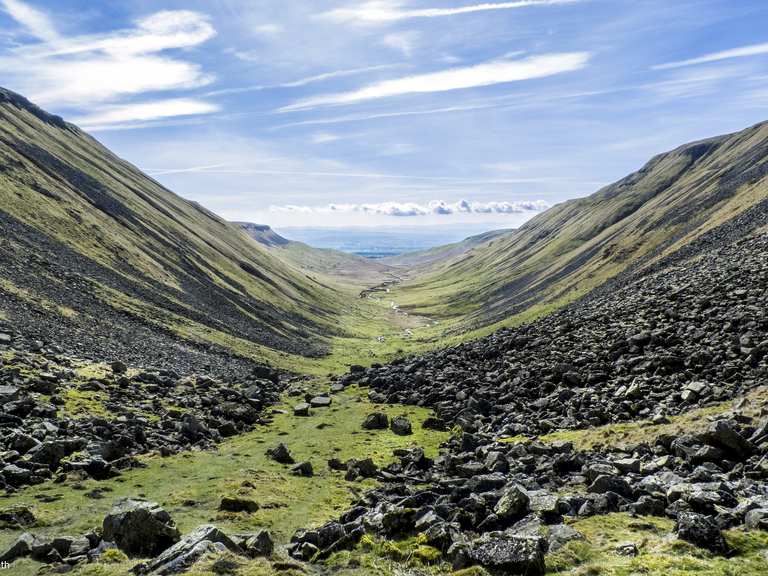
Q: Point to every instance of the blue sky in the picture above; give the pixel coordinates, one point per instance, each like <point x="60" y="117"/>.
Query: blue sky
<point x="421" y="112"/>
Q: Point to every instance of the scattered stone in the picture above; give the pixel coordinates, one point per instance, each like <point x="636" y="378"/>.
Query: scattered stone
<point x="238" y="504"/>
<point x="301" y="409"/>
<point x="281" y="454"/>
<point x="303" y="469"/>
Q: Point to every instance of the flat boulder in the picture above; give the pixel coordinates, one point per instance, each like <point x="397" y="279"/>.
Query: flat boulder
<point x="237" y="504"/>
<point x="504" y="553"/>
<point x="320" y="402"/>
<point x="140" y="528"/>
<point x="187" y="551"/>
<point x="301" y="409"/>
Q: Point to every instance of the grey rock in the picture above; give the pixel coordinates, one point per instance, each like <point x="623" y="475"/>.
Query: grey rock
<point x="140" y="528"/>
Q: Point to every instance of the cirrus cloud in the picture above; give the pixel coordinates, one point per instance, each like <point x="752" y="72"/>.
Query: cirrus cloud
<point x="485" y="74"/>
<point x="382" y="11"/>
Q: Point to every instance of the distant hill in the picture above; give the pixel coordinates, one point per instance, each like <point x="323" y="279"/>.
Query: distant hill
<point x="332" y="265"/>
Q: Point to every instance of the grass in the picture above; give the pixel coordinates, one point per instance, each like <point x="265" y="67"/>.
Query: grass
<point x="633" y="433"/>
<point x="190" y="485"/>
<point x="660" y="554"/>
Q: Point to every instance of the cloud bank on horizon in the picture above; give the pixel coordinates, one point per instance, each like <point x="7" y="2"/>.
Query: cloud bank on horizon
<point x="409" y="209"/>
<point x="333" y="112"/>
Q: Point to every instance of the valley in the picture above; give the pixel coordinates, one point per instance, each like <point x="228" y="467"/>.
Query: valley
<point x="585" y="394"/>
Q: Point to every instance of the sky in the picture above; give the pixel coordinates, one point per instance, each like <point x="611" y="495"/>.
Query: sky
<point x="390" y="112"/>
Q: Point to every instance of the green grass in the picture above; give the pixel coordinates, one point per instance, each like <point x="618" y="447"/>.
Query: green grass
<point x="190" y="485"/>
<point x="660" y="554"/>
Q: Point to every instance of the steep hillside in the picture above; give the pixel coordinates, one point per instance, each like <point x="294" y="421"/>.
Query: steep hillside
<point x="100" y="259"/>
<point x="575" y="246"/>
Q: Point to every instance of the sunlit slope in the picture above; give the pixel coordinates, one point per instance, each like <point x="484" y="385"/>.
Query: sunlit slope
<point x="575" y="246"/>
<point x="104" y="250"/>
<point x="350" y="272"/>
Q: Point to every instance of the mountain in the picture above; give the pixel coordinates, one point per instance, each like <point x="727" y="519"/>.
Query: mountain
<point x="575" y="246"/>
<point x="103" y="260"/>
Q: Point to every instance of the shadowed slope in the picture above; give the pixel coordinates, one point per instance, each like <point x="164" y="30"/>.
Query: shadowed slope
<point x="120" y="262"/>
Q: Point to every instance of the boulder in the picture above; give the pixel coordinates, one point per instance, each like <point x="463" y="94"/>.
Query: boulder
<point x="376" y="421"/>
<point x="281" y="454"/>
<point x="184" y="553"/>
<point x="301" y="409"/>
<point x="401" y="426"/>
<point x="512" y="504"/>
<point x="504" y="553"/>
<point x="259" y="544"/>
<point x="20" y="548"/>
<point x="140" y="528"/>
<point x="303" y="469"/>
<point x="702" y="531"/>
<point x="237" y="504"/>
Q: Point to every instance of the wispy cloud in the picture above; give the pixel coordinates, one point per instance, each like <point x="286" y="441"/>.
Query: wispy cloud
<point x="404" y="42"/>
<point x="409" y="209"/>
<point x="144" y="111"/>
<point x="486" y="74"/>
<point x="101" y="71"/>
<point x="304" y="81"/>
<point x="324" y="137"/>
<point x="741" y="52"/>
<point x="382" y="11"/>
<point x="35" y="22"/>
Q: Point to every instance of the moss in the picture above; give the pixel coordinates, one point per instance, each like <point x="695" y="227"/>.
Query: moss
<point x="113" y="556"/>
<point x="427" y="554"/>
<point x="83" y="403"/>
<point x="660" y="554"/>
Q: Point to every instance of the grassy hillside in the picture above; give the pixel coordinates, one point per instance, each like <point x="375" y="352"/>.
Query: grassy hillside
<point x="333" y="266"/>
<point x="113" y="258"/>
<point x="575" y="246"/>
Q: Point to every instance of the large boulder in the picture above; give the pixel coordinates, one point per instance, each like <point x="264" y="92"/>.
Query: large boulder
<point x="512" y="504"/>
<point x="701" y="531"/>
<point x="140" y="528"/>
<point x="505" y="553"/>
<point x="376" y="421"/>
<point x="401" y="426"/>
<point x="182" y="555"/>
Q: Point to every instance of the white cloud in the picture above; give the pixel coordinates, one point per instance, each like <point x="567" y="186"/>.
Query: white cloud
<point x="742" y="52"/>
<point x="382" y="11"/>
<point x="486" y="74"/>
<point x="100" y="69"/>
<point x="144" y="111"/>
<point x="304" y="81"/>
<point x="35" y="22"/>
<point x="403" y="42"/>
<point x="409" y="209"/>
<point x="324" y="138"/>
